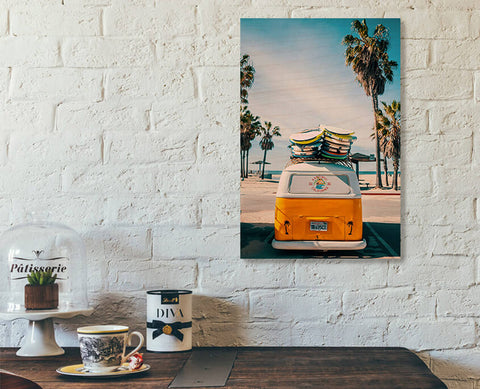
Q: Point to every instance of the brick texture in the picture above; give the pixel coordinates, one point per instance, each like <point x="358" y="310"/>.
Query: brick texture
<point x="121" y="118"/>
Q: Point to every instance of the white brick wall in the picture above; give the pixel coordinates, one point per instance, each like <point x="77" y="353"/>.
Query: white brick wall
<point x="121" y="118"/>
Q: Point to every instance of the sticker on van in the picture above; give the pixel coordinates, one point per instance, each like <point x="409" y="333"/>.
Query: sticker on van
<point x="319" y="184"/>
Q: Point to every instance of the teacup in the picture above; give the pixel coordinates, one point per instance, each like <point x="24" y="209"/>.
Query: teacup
<point x="103" y="347"/>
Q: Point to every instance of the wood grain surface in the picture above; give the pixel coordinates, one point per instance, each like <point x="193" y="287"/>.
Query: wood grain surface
<point x="255" y="367"/>
<point x="10" y="381"/>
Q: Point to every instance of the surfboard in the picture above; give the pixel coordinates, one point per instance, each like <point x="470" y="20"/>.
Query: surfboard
<point x="334" y="152"/>
<point x="296" y="148"/>
<point x="348" y="138"/>
<point x="335" y="148"/>
<point x="340" y="142"/>
<point x="330" y="155"/>
<point x="305" y="154"/>
<point x="306" y="137"/>
<point x="337" y="131"/>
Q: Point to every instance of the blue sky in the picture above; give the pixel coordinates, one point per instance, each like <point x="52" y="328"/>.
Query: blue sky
<point x="302" y="81"/>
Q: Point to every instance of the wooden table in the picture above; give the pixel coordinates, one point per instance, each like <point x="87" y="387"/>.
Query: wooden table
<point x="255" y="367"/>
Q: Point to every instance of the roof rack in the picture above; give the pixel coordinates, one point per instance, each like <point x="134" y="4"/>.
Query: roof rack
<point x="342" y="162"/>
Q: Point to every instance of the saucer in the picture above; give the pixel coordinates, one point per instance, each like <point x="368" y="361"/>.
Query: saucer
<point x="79" y="371"/>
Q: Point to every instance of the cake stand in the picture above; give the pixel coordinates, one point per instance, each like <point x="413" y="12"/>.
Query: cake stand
<point x="40" y="336"/>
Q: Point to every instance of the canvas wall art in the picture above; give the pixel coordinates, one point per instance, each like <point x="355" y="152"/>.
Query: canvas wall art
<point x="320" y="138"/>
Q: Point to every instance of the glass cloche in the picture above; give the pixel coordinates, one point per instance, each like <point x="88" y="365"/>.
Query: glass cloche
<point x="41" y="245"/>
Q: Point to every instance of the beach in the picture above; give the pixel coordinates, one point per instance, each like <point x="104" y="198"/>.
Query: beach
<point x="257" y="200"/>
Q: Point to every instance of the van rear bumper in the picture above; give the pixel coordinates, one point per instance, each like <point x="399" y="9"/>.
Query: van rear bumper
<point x="324" y="245"/>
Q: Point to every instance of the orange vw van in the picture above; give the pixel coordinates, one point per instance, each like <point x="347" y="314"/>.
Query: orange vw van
<point x="318" y="207"/>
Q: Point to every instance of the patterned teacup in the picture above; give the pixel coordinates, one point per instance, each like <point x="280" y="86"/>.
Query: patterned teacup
<point x="103" y="347"/>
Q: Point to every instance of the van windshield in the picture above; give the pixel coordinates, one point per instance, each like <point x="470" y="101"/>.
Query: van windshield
<point x="319" y="183"/>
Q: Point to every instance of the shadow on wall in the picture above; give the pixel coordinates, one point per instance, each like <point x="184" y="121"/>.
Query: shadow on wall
<point x="218" y="322"/>
<point x="109" y="308"/>
<point x="456" y="368"/>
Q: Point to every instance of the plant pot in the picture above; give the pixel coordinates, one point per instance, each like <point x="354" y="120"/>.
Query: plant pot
<point x="41" y="296"/>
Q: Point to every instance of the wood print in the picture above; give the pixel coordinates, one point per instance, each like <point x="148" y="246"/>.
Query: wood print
<point x="320" y="138"/>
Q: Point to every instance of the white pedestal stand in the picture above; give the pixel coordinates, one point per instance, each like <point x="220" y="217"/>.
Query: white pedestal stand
<point x="40" y="336"/>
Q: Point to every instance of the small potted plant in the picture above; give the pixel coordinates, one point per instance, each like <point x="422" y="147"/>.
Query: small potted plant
<point x="41" y="292"/>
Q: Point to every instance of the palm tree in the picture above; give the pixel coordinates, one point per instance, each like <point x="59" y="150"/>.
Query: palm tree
<point x="382" y="145"/>
<point x="267" y="143"/>
<point x="247" y="76"/>
<point x="248" y="123"/>
<point x="388" y="129"/>
<point x="368" y="57"/>
<point x="249" y="129"/>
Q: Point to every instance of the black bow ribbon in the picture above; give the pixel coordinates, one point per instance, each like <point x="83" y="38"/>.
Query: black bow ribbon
<point x="168" y="328"/>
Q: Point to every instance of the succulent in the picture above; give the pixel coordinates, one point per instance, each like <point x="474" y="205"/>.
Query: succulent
<point x="41" y="277"/>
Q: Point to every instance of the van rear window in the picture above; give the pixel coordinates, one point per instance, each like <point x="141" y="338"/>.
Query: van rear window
<point x="319" y="183"/>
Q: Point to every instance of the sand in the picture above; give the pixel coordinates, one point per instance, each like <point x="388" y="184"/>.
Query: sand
<point x="257" y="198"/>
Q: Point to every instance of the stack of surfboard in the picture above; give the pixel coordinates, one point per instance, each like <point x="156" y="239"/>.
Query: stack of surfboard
<point x="306" y="144"/>
<point x="323" y="142"/>
<point x="336" y="143"/>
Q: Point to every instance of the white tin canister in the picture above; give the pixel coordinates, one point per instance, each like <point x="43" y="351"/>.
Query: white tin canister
<point x="169" y="320"/>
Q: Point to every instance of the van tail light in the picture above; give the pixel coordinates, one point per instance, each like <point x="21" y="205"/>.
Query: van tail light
<point x="286" y="224"/>
<point x="350" y="224"/>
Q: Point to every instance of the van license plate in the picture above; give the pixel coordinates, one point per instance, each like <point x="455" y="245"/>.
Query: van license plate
<point x="318" y="226"/>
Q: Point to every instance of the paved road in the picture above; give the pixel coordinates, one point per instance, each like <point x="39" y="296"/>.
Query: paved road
<point x="382" y="241"/>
